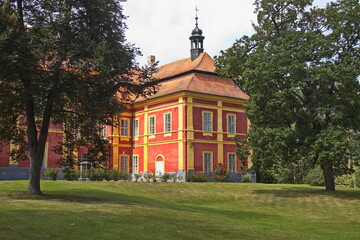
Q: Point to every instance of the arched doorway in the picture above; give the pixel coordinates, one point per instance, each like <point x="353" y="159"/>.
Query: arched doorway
<point x="159" y="165"/>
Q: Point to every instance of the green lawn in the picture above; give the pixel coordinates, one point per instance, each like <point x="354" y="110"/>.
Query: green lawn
<point x="128" y="210"/>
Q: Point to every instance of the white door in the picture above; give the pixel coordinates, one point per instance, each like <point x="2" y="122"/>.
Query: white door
<point x="160" y="167"/>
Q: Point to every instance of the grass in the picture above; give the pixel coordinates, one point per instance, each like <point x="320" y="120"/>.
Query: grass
<point x="129" y="210"/>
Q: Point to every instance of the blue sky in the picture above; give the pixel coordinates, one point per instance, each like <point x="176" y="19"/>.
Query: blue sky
<point x="162" y="27"/>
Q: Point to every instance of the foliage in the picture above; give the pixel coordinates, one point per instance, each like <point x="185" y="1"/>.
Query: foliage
<point x="137" y="177"/>
<point x="61" y="62"/>
<point x="147" y="177"/>
<point x="111" y="175"/>
<point x="124" y="176"/>
<point x="165" y="177"/>
<point x="97" y="174"/>
<point x="315" y="177"/>
<point x="220" y="174"/>
<point x="174" y="177"/>
<point x="196" y="177"/>
<point x="70" y="174"/>
<point x="246" y="178"/>
<point x="51" y="173"/>
<point x="345" y="180"/>
<point x="301" y="69"/>
<point x="357" y="177"/>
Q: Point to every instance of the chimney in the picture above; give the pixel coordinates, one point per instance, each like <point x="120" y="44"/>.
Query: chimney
<point x="151" y="60"/>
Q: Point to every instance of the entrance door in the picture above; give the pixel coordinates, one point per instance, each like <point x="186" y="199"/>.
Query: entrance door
<point x="159" y="166"/>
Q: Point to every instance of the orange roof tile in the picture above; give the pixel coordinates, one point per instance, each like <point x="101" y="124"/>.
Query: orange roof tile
<point x="203" y="63"/>
<point x="183" y="75"/>
<point x="201" y="83"/>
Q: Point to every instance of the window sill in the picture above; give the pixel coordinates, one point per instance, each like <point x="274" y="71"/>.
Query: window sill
<point x="124" y="138"/>
<point x="151" y="136"/>
<point x="207" y="134"/>
<point x="167" y="134"/>
<point x="231" y="135"/>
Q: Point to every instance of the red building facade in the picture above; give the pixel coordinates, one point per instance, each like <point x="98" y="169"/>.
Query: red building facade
<point x="188" y="125"/>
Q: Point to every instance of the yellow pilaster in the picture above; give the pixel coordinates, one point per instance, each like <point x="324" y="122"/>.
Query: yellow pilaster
<point x="13" y="147"/>
<point x="146" y="128"/>
<point x="116" y="139"/>
<point x="220" y="136"/>
<point x="190" y="135"/>
<point x="181" y="135"/>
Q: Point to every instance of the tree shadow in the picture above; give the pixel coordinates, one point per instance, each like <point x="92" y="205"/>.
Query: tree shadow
<point x="306" y="192"/>
<point x="97" y="196"/>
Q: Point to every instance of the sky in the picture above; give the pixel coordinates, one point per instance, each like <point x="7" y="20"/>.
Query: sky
<point x="162" y="27"/>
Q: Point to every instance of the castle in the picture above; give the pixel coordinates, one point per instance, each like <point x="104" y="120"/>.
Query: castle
<point x="188" y="125"/>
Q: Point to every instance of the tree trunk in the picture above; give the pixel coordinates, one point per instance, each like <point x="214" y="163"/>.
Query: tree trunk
<point x="35" y="174"/>
<point x="328" y="172"/>
<point x="37" y="150"/>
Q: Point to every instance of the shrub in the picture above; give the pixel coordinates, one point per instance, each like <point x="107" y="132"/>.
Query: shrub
<point x="137" y="177"/>
<point x="315" y="177"/>
<point x="165" y="177"/>
<point x="51" y="173"/>
<point x="246" y="178"/>
<point x="124" y="176"/>
<point x="114" y="174"/>
<point x="97" y="174"/>
<point x="357" y="177"/>
<point x="84" y="174"/>
<point x="178" y="178"/>
<point x="173" y="177"/>
<point x="220" y="174"/>
<point x="147" y="177"/>
<point x="345" y="180"/>
<point x="196" y="177"/>
<point x="70" y="174"/>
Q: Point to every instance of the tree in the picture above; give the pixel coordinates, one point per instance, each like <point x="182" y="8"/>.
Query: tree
<point x="301" y="69"/>
<point x="64" y="62"/>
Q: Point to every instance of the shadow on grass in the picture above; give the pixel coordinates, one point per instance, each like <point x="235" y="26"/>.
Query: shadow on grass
<point x="306" y="192"/>
<point x="97" y="196"/>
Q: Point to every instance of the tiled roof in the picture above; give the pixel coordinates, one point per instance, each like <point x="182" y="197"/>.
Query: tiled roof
<point x="184" y="75"/>
<point x="203" y="63"/>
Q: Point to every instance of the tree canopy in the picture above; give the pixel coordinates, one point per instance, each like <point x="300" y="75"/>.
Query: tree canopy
<point x="64" y="62"/>
<point x="301" y="69"/>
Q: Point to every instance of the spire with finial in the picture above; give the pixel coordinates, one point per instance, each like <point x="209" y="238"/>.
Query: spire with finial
<point x="196" y="39"/>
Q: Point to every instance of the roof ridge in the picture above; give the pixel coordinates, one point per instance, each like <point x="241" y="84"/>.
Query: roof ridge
<point x="200" y="61"/>
<point x="192" y="78"/>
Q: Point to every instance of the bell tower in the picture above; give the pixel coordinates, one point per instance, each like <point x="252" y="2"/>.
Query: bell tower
<point x="196" y="40"/>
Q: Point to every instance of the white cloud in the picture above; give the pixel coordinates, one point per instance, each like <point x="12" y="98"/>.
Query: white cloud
<point x="162" y="27"/>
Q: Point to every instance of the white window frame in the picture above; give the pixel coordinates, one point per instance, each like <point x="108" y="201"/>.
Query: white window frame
<point x="167" y="122"/>
<point x="136" y="127"/>
<point x="207" y="120"/>
<point x="124" y="163"/>
<point x="207" y="160"/>
<point x="231" y="124"/>
<point x="124" y="127"/>
<point x="135" y="164"/>
<point x="232" y="162"/>
<point x="152" y="125"/>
